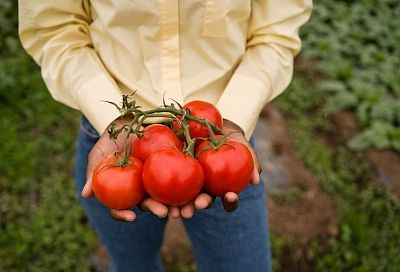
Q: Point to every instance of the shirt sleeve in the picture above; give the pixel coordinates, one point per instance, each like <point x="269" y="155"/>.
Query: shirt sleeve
<point x="266" y="68"/>
<point x="56" y="34"/>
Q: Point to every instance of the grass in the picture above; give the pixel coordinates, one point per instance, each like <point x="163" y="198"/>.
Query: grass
<point x="42" y="227"/>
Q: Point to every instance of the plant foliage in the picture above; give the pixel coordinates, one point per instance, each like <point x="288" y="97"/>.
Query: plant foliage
<point x="356" y="45"/>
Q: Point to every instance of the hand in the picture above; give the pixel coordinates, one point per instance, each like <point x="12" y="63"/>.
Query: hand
<point x="103" y="148"/>
<point x="231" y="200"/>
<point x="236" y="133"/>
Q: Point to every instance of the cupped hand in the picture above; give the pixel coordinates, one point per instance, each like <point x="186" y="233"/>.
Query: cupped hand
<point x="231" y="200"/>
<point x="236" y="133"/>
<point x="100" y="151"/>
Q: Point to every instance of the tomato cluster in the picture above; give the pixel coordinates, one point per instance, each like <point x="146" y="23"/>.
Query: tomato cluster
<point x="167" y="167"/>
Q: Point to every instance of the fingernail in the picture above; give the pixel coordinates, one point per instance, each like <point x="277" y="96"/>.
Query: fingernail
<point x="84" y="189"/>
<point x="256" y="177"/>
<point x="129" y="218"/>
<point x="230" y="198"/>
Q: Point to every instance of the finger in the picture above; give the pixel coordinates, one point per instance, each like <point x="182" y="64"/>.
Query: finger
<point x="96" y="155"/>
<point x="204" y="201"/>
<point x="174" y="212"/>
<point x="87" y="190"/>
<point x="187" y="210"/>
<point x="123" y="215"/>
<point x="255" y="178"/>
<point x="230" y="202"/>
<point x="155" y="207"/>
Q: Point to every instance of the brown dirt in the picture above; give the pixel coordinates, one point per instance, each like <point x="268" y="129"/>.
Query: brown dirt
<point x="176" y="248"/>
<point x="99" y="260"/>
<point x="387" y="166"/>
<point x="313" y="214"/>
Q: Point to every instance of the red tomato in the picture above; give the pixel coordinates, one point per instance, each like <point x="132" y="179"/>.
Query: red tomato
<point x="118" y="187"/>
<point x="155" y="137"/>
<point x="172" y="177"/>
<point x="228" y="168"/>
<point x="201" y="110"/>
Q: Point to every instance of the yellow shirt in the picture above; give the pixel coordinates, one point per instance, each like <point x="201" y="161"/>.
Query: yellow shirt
<point x="236" y="54"/>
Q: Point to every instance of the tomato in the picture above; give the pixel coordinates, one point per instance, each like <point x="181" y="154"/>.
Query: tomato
<point x="172" y="177"/>
<point x="201" y="110"/>
<point x="118" y="187"/>
<point x="155" y="137"/>
<point x="228" y="168"/>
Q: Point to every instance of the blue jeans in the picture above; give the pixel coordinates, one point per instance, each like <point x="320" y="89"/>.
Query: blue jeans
<point x="221" y="241"/>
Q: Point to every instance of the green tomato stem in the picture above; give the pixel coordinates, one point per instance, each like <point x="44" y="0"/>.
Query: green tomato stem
<point x="165" y="111"/>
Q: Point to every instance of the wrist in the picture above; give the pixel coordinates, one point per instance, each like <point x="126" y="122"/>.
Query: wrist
<point x="230" y="126"/>
<point x="119" y="121"/>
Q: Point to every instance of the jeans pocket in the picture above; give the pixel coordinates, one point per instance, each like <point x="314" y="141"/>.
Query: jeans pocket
<point x="88" y="130"/>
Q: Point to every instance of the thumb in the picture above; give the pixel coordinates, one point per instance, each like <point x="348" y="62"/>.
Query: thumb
<point x="255" y="178"/>
<point x="87" y="190"/>
<point x="95" y="157"/>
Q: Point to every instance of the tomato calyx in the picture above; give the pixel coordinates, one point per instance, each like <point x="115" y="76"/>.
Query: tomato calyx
<point x="214" y="143"/>
<point x="122" y="160"/>
<point x="119" y="160"/>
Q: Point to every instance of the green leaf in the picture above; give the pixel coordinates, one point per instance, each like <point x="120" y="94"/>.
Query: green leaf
<point x="383" y="111"/>
<point x="340" y="101"/>
<point x="374" y="136"/>
<point x="332" y="86"/>
<point x="363" y="112"/>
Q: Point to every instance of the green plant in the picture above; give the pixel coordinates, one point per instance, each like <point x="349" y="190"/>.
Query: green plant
<point x="42" y="226"/>
<point x="356" y="45"/>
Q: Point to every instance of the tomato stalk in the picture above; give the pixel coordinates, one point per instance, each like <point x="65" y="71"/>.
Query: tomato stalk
<point x="190" y="142"/>
<point x="165" y="111"/>
<point x="215" y="142"/>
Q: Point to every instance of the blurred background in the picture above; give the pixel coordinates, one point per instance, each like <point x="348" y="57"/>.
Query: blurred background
<point x="329" y="147"/>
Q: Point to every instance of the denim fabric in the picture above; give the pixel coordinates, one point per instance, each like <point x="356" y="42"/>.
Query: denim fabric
<point x="221" y="241"/>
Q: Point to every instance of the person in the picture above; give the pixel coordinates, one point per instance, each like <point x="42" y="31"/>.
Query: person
<point x="237" y="55"/>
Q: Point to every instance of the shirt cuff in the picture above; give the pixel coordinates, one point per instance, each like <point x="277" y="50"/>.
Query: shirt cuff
<point x="91" y="97"/>
<point x="242" y="101"/>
